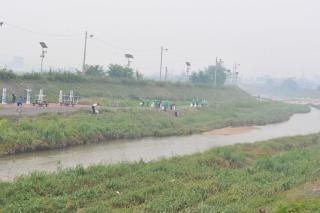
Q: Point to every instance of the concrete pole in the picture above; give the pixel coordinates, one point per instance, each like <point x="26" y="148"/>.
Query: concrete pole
<point x="42" y="57"/>
<point x="40" y="96"/>
<point x="161" y="60"/>
<point x="166" y="74"/>
<point x="215" y="72"/>
<point x="60" y="97"/>
<point x="4" y="96"/>
<point x="28" y="101"/>
<point x="71" y="96"/>
<point x="84" y="52"/>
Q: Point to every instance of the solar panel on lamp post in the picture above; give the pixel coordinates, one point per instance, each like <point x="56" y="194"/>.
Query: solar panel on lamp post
<point x="129" y="57"/>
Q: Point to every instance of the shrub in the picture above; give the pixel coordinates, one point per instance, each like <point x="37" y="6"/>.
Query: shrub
<point x="6" y="74"/>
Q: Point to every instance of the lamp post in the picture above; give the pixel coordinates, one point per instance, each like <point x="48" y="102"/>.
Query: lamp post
<point x="235" y="73"/>
<point x="188" y="64"/>
<point x="43" y="52"/>
<point x="85" y="50"/>
<point x="129" y="57"/>
<point x="161" y="60"/>
<point x="219" y="62"/>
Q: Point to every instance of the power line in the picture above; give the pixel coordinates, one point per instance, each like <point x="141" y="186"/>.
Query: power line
<point x="24" y="29"/>
<point x="122" y="50"/>
<point x="115" y="48"/>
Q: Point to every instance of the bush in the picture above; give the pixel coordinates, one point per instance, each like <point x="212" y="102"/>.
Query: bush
<point x="6" y="74"/>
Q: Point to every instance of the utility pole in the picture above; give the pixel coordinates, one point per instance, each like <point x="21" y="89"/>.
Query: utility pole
<point x="85" y="51"/>
<point x="219" y="62"/>
<point x="161" y="60"/>
<point x="215" y="72"/>
<point x="1" y="25"/>
<point x="235" y="74"/>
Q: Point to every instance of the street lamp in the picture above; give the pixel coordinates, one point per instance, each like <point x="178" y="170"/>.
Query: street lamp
<point x="85" y="50"/>
<point x="129" y="57"/>
<point x="161" y="60"/>
<point x="235" y="73"/>
<point x="188" y="69"/>
<point x="43" y="52"/>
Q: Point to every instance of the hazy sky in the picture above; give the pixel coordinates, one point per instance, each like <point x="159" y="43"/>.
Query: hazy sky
<point x="279" y="37"/>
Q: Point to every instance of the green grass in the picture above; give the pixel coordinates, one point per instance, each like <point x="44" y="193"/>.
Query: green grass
<point x="238" y="178"/>
<point x="48" y="131"/>
<point x="112" y="91"/>
<point x="229" y="106"/>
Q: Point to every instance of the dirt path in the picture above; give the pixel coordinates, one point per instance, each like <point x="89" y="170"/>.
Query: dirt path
<point x="12" y="109"/>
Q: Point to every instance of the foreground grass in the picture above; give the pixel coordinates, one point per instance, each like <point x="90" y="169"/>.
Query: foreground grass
<point x="239" y="178"/>
<point x="61" y="130"/>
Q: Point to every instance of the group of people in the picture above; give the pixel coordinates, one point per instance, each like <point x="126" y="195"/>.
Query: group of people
<point x="199" y="103"/>
<point x="164" y="105"/>
<point x="19" y="101"/>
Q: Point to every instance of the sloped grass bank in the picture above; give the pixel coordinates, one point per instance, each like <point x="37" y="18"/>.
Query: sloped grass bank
<point x="22" y="134"/>
<point x="238" y="178"/>
<point x="114" y="90"/>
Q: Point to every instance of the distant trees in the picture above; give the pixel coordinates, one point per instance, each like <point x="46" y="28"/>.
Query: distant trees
<point x="290" y="84"/>
<point x="118" y="71"/>
<point x="208" y="75"/>
<point x="113" y="71"/>
<point x="94" y="70"/>
<point x="6" y="74"/>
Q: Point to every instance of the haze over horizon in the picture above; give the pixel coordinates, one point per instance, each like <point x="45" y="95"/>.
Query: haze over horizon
<point x="279" y="38"/>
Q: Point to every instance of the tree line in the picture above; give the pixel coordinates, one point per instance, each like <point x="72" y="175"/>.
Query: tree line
<point x="214" y="74"/>
<point x="211" y="75"/>
<point x="113" y="71"/>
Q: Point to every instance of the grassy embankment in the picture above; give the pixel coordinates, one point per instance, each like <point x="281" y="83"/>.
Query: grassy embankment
<point x="228" y="107"/>
<point x="124" y="92"/>
<point x="268" y="176"/>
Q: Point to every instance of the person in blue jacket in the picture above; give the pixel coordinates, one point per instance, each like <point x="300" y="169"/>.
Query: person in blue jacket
<point x="20" y="101"/>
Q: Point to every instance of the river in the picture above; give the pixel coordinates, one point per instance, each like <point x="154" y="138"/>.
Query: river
<point x="148" y="149"/>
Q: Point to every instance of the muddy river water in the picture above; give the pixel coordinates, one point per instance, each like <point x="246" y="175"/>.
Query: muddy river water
<point x="151" y="148"/>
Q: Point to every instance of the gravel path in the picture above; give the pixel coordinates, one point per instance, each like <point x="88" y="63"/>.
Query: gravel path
<point x="12" y="109"/>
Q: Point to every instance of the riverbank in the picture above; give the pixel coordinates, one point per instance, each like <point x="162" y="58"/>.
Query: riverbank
<point x="148" y="149"/>
<point x="238" y="178"/>
<point x="52" y="131"/>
